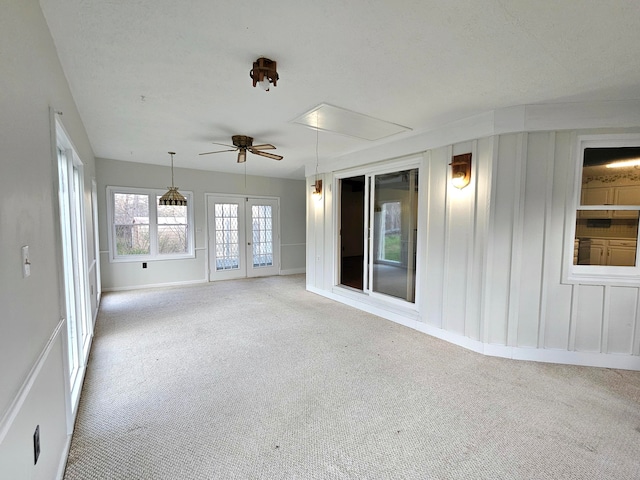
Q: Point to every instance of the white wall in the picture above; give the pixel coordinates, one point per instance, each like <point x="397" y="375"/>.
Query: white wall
<point x="32" y="331"/>
<point x="491" y="255"/>
<point x="122" y="275"/>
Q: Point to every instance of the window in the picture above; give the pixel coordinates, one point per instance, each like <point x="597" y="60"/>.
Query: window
<point x="140" y="228"/>
<point x="607" y="212"/>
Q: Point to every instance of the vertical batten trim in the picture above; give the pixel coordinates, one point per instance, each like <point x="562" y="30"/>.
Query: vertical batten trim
<point x="447" y="229"/>
<point x="604" y="324"/>
<point x="471" y="248"/>
<point x="546" y="244"/>
<point x="635" y="333"/>
<point x="424" y="198"/>
<point x="488" y="261"/>
<point x="517" y="236"/>
<point x="573" y="317"/>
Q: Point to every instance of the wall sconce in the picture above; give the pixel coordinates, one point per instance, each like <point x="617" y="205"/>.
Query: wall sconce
<point x="317" y="190"/>
<point x="264" y="73"/>
<point x="461" y="170"/>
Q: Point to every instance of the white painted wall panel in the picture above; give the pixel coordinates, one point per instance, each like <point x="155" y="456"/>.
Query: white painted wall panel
<point x="482" y="171"/>
<point x="622" y="314"/>
<point x="502" y="211"/>
<point x="589" y="318"/>
<point x="556" y="305"/>
<point x="533" y="231"/>
<point x="432" y="288"/>
<point x="458" y="251"/>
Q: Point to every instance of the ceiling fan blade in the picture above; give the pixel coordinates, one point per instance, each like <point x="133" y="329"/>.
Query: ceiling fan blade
<point x="242" y="155"/>
<point x="263" y="146"/>
<point x="224" y="144"/>
<point x="218" y="151"/>
<point x="268" y="155"/>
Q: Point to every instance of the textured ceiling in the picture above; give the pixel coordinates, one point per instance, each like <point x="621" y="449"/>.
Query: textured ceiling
<point x="150" y="76"/>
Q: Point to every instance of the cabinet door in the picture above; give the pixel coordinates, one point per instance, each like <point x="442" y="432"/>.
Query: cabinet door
<point x="626" y="196"/>
<point x="621" y="256"/>
<point x="596" y="196"/>
<point x="598" y="256"/>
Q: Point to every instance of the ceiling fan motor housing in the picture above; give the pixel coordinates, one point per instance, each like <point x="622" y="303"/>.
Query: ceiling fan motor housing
<point x="242" y="141"/>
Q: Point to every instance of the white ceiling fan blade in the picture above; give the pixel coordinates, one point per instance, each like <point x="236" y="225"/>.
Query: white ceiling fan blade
<point x="242" y="155"/>
<point x="268" y="155"/>
<point x="218" y="151"/>
<point x="263" y="146"/>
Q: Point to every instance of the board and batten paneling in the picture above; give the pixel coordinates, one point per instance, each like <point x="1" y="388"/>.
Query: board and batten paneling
<point x="556" y="297"/>
<point x="504" y="211"/>
<point x="432" y="279"/>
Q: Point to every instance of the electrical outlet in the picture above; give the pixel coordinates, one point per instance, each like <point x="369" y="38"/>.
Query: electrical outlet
<point x="144" y="264"/>
<point x="36" y="444"/>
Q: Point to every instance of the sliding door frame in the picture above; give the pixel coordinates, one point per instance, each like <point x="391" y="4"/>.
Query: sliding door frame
<point x="369" y="172"/>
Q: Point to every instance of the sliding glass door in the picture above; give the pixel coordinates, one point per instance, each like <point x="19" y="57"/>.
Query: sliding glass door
<point x="378" y="233"/>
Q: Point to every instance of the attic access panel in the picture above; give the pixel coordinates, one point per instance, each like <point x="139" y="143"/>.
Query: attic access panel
<point x="346" y="122"/>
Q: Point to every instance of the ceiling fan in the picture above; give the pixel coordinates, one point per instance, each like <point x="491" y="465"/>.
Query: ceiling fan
<point x="242" y="143"/>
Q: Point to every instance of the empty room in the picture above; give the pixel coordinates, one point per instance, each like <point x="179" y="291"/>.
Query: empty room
<point x="315" y="240"/>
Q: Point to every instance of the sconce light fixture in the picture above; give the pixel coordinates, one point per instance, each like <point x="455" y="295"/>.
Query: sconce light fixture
<point x="173" y="196"/>
<point x="461" y="170"/>
<point x="264" y="73"/>
<point x="317" y="190"/>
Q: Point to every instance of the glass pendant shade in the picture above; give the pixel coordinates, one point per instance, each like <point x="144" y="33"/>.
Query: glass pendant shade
<point x="172" y="197"/>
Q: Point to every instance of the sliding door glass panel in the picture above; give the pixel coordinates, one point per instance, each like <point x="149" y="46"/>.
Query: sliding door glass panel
<point x="352" y="238"/>
<point x="394" y="220"/>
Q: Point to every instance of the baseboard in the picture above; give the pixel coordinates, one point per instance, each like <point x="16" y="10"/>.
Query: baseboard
<point x="544" y="355"/>
<point x="154" y="285"/>
<point x="62" y="466"/>
<point x="293" y="271"/>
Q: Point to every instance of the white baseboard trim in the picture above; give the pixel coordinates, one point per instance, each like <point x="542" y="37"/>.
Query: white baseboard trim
<point x="18" y="402"/>
<point x="293" y="271"/>
<point x="154" y="285"/>
<point x="62" y="466"/>
<point x="544" y="355"/>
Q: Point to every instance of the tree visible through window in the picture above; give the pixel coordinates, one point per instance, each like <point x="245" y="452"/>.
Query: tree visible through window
<point x="142" y="228"/>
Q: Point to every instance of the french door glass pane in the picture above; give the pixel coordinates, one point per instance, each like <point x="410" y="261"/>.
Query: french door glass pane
<point x="261" y="218"/>
<point x="227" y="239"/>
<point x="395" y="234"/>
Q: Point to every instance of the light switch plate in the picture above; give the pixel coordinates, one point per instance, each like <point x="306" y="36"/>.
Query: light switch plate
<point x="26" y="264"/>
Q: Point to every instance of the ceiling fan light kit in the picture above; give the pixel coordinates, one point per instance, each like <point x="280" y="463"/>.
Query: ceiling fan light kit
<point x="264" y="73"/>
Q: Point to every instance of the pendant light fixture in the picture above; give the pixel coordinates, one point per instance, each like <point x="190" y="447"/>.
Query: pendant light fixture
<point x="172" y="197"/>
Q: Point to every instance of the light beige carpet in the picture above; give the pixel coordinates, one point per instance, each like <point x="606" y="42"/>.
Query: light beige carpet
<point x="259" y="379"/>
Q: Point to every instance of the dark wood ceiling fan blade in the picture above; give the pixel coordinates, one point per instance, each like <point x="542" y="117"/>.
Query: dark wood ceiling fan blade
<point x="242" y="155"/>
<point x="263" y="146"/>
<point x="218" y="151"/>
<point x="268" y="155"/>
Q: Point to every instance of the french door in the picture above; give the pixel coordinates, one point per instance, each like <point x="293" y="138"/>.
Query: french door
<point x="243" y="237"/>
<point x="75" y="271"/>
